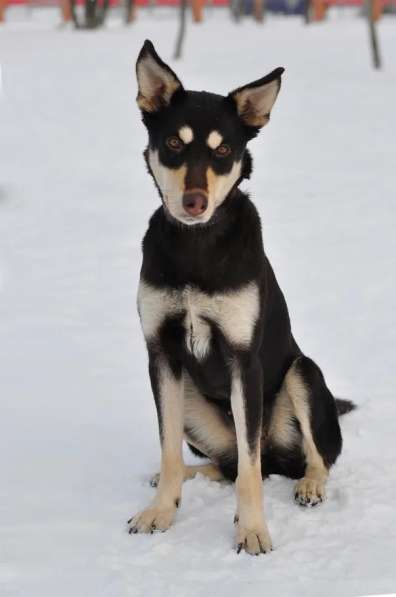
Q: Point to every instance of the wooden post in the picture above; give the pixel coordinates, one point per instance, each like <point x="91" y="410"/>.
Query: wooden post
<point x="307" y="11"/>
<point x="74" y="14"/>
<point x="130" y="11"/>
<point x="182" y="29"/>
<point x="197" y="10"/>
<point x="258" y="10"/>
<point x="319" y="8"/>
<point x="378" y="8"/>
<point x="65" y="10"/>
<point x="375" y="53"/>
<point x="3" y="5"/>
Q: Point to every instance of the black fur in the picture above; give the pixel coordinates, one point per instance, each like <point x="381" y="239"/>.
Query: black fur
<point x="219" y="256"/>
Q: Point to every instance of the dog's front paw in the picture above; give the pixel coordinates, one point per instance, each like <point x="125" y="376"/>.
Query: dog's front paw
<point x="309" y="492"/>
<point x="254" y="540"/>
<point x="154" y="481"/>
<point x="152" y="519"/>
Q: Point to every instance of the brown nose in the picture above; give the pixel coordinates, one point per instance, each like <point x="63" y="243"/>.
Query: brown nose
<point x="195" y="203"/>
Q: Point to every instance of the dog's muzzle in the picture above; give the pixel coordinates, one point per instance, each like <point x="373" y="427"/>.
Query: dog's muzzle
<point x="195" y="203"/>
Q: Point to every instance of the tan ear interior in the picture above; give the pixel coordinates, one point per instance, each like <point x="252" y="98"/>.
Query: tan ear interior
<point x="156" y="84"/>
<point x="254" y="104"/>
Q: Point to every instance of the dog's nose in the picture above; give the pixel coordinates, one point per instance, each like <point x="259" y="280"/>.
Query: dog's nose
<point x="195" y="203"/>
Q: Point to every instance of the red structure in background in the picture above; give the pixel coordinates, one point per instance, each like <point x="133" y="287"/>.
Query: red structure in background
<point x="319" y="7"/>
<point x="114" y="2"/>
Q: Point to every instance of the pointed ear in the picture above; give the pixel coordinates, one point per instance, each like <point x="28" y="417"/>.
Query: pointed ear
<point x="157" y="82"/>
<point x="254" y="101"/>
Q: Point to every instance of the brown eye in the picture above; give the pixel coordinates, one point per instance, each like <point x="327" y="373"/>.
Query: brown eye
<point x="223" y="150"/>
<point x="174" y="143"/>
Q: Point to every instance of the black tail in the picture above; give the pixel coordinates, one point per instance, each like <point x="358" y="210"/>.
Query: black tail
<point x="344" y="406"/>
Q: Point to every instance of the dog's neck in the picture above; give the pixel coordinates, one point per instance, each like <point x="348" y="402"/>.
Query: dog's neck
<point x="207" y="256"/>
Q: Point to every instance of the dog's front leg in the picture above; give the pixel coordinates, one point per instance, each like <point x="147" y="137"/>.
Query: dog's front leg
<point x="247" y="404"/>
<point x="167" y="385"/>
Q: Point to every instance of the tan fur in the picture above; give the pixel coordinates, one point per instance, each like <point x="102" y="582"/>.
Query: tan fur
<point x="160" y="513"/>
<point x="235" y="312"/>
<point x="214" y="140"/>
<point x="210" y="471"/>
<point x="156" y="85"/>
<point x="282" y="430"/>
<point x="171" y="182"/>
<point x="316" y="472"/>
<point x="186" y="134"/>
<point x="252" y="532"/>
<point x="208" y="431"/>
<point x="254" y="104"/>
<point x="219" y="185"/>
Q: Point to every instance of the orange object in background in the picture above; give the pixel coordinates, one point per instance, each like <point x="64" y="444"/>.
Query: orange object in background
<point x="319" y="7"/>
<point x="378" y="8"/>
<point x="197" y="10"/>
<point x="3" y="4"/>
<point x="66" y="10"/>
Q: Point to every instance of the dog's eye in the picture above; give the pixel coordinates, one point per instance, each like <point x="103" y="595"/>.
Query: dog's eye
<point x="222" y="151"/>
<point x="174" y="143"/>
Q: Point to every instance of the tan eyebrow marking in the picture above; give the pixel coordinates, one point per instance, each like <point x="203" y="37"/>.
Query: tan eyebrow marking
<point x="186" y="134"/>
<point x="214" y="140"/>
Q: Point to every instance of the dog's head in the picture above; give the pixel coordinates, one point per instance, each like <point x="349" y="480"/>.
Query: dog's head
<point x="197" y="140"/>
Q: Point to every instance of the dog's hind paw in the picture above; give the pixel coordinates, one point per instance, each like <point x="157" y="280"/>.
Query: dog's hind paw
<point x="309" y="492"/>
<point x="150" y="520"/>
<point x="253" y="541"/>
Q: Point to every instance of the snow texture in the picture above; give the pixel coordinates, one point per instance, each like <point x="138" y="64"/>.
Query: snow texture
<point x="78" y="436"/>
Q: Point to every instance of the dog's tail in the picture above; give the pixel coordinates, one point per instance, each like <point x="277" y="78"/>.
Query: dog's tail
<point x="344" y="406"/>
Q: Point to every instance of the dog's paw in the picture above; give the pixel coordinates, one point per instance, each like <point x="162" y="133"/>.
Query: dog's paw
<point x="253" y="540"/>
<point x="152" y="519"/>
<point x="309" y="492"/>
<point x="154" y="481"/>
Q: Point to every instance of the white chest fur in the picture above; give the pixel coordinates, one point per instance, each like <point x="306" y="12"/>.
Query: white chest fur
<point x="234" y="312"/>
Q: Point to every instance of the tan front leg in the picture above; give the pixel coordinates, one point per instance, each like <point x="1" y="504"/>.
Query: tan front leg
<point x="251" y="530"/>
<point x="159" y="515"/>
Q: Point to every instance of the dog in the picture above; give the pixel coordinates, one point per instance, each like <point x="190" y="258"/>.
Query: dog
<point x="226" y="372"/>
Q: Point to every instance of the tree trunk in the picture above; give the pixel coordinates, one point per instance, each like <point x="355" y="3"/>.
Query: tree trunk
<point x="130" y="11"/>
<point x="307" y="11"/>
<point x="74" y="14"/>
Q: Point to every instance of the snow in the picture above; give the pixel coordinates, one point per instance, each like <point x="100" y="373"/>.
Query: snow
<point x="79" y="435"/>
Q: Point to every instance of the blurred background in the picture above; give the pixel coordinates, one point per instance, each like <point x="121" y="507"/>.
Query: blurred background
<point x="78" y="438"/>
<point x="93" y="13"/>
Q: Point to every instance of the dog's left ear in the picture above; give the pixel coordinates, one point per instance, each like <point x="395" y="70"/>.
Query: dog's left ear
<point x="254" y="101"/>
<point x="156" y="80"/>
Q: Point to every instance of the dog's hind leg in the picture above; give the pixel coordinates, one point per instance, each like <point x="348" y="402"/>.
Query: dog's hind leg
<point x="210" y="433"/>
<point x="315" y="410"/>
<point x="209" y="430"/>
<point x="211" y="471"/>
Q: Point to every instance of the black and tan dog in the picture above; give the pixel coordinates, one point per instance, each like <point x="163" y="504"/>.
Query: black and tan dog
<point x="225" y="370"/>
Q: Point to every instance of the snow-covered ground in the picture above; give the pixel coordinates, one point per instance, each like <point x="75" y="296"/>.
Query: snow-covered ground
<point x="78" y="437"/>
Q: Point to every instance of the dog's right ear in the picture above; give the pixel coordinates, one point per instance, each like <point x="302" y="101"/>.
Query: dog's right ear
<point x="157" y="82"/>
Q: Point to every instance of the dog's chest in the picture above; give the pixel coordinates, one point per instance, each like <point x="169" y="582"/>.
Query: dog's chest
<point x="234" y="314"/>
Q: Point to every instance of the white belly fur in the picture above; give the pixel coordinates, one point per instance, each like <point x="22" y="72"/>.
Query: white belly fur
<point x="235" y="312"/>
